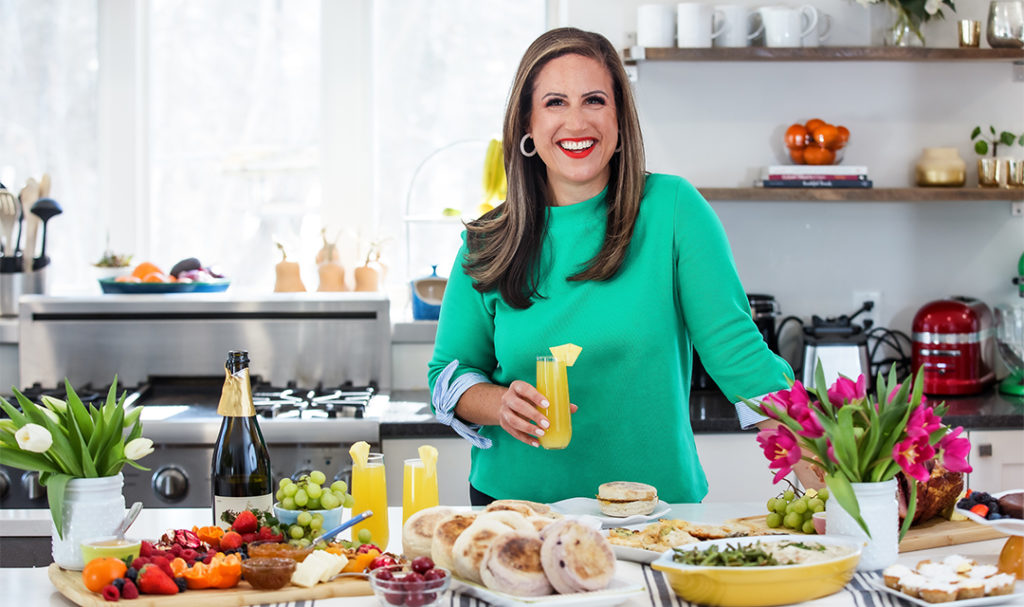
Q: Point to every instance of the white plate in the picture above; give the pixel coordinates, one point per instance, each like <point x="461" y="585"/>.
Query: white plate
<point x="589" y="506"/>
<point x="985" y="600"/>
<point x="616" y="593"/>
<point x="1010" y="526"/>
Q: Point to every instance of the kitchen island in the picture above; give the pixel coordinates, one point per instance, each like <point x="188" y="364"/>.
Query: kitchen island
<point x="31" y="586"/>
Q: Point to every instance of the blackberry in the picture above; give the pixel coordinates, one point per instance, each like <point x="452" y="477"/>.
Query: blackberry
<point x="118" y="583"/>
<point x="131" y="573"/>
<point x="181" y="583"/>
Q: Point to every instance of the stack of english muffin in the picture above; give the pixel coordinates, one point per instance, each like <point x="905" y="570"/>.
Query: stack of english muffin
<point x="513" y="546"/>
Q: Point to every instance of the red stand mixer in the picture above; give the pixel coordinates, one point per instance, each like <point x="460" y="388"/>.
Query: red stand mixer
<point x="954" y="342"/>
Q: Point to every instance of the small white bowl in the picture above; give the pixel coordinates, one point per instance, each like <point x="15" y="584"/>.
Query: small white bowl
<point x="819" y="522"/>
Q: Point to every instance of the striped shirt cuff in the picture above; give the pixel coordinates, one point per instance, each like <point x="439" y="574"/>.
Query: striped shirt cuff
<point x="747" y="415"/>
<point x="446" y="395"/>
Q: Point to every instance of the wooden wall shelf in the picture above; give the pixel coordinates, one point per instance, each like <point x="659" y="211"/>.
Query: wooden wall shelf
<point x="865" y="194"/>
<point x="822" y="53"/>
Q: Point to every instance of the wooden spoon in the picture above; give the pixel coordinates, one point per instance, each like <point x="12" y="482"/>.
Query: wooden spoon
<point x="44" y="186"/>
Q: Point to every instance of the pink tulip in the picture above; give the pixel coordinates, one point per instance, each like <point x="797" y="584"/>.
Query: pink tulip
<point x="923" y="421"/>
<point x="808" y="420"/>
<point x="955" y="449"/>
<point x="912" y="454"/>
<point x="781" y="449"/>
<point x="845" y="390"/>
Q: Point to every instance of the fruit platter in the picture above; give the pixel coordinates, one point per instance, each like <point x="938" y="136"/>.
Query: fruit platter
<point x="187" y="276"/>
<point x="253" y="558"/>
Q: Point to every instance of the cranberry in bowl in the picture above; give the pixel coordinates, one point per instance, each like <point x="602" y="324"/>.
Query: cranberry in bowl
<point x="417" y="584"/>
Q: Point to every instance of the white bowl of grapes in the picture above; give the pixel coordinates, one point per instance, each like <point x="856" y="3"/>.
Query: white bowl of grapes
<point x="307" y="507"/>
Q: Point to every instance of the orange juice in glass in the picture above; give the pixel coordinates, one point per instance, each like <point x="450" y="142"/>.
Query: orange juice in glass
<point x="419" y="488"/>
<point x="554" y="385"/>
<point x="369" y="492"/>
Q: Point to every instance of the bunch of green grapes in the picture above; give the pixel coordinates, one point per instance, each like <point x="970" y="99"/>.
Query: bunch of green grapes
<point x="795" y="512"/>
<point x="307" y="495"/>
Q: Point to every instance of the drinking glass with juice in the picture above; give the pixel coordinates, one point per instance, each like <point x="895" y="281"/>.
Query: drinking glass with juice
<point x="369" y="492"/>
<point x="419" y="488"/>
<point x="553" y="383"/>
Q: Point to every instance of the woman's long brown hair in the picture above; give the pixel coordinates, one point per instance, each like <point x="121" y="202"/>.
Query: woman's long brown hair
<point x="504" y="245"/>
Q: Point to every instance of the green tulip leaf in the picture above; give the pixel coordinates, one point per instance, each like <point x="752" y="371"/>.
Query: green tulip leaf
<point x="55" y="488"/>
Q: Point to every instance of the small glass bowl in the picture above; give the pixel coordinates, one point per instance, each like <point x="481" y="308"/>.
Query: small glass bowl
<point x="117" y="547"/>
<point x="267" y="573"/>
<point x="273" y="549"/>
<point x="332" y="517"/>
<point x="397" y="591"/>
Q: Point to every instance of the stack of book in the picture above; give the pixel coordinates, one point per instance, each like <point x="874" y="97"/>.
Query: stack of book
<point x="815" y="176"/>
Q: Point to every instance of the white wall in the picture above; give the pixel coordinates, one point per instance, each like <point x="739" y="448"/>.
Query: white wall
<point x="717" y="123"/>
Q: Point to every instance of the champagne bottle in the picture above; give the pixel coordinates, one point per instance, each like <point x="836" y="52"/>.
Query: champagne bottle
<point x="240" y="472"/>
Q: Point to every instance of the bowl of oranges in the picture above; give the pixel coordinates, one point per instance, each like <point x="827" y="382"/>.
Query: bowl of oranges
<point x="816" y="142"/>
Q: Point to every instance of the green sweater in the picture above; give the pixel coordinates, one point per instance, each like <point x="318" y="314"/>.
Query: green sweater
<point x="677" y="289"/>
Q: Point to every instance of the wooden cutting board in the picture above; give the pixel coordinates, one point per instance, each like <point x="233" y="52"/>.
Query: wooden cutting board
<point x="69" y="583"/>
<point x="931" y="534"/>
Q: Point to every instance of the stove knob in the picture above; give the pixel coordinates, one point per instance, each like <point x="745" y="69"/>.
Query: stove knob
<point x="30" y="481"/>
<point x="5" y="484"/>
<point x="170" y="483"/>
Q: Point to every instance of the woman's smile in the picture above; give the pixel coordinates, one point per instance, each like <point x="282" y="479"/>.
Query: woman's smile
<point x="577" y="148"/>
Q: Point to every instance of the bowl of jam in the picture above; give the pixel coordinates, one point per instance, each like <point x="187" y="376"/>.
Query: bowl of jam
<point x="268" y="573"/>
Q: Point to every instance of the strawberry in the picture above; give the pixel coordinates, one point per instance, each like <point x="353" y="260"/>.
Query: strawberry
<point x="230" y="541"/>
<point x="266" y="533"/>
<point x="129" y="590"/>
<point x="153" y="580"/>
<point x="250" y="537"/>
<point x="245" y="522"/>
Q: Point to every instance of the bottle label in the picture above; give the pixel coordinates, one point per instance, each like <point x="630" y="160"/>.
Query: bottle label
<point x="237" y="504"/>
<point x="236" y="397"/>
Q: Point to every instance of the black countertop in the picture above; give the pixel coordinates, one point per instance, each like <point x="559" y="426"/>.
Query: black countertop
<point x="711" y="413"/>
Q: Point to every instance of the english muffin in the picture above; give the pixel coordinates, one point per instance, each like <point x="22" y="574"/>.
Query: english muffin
<point x="511" y="519"/>
<point x="576" y="558"/>
<point x="512" y="564"/>
<point x="446" y="532"/>
<point x="418" y="531"/>
<point x="469" y="548"/>
<point x="624" y="498"/>
<point x="524" y="507"/>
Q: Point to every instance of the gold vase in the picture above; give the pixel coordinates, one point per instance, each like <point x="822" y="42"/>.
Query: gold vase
<point x="991" y="172"/>
<point x="1015" y="173"/>
<point x="941" y="167"/>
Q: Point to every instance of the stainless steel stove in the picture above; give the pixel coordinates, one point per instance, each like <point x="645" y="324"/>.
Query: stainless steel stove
<point x="320" y="364"/>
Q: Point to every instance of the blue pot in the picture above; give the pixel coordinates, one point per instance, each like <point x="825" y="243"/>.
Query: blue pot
<point x="427" y="293"/>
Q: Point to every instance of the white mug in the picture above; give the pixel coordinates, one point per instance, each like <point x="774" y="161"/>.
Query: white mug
<point x="694" y="25"/>
<point x="656" y="25"/>
<point x="819" y="34"/>
<point x="737" y="20"/>
<point x="785" y="27"/>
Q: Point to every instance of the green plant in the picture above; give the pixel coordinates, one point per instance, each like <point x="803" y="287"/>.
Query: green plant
<point x="63" y="440"/>
<point x="983" y="140"/>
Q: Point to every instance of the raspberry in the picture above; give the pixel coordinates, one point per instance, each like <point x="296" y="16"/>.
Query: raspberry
<point x="176" y="550"/>
<point x="189" y="555"/>
<point x="182" y="584"/>
<point x="111" y="593"/>
<point x="130" y="590"/>
<point x="140" y="561"/>
<point x="164" y="565"/>
<point x="147" y="549"/>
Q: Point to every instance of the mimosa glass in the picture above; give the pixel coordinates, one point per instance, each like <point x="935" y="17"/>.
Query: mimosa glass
<point x="554" y="385"/>
<point x="369" y="492"/>
<point x="419" y="489"/>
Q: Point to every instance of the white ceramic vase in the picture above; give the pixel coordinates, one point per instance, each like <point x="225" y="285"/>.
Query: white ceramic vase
<point x="880" y="511"/>
<point x="93" y="507"/>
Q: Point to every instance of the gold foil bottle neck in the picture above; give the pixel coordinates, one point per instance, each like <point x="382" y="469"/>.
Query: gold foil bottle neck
<point x="236" y="397"/>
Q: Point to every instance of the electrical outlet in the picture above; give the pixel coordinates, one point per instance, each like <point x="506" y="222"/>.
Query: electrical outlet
<point x="874" y="314"/>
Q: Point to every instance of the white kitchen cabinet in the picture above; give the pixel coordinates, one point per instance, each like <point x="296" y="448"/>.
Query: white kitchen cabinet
<point x="736" y="468"/>
<point x="997" y="457"/>
<point x="452" y="467"/>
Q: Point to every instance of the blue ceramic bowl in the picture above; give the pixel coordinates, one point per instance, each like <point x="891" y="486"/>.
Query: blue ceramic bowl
<point x="332" y="517"/>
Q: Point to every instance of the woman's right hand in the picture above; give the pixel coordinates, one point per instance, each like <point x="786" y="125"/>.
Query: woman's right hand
<point x="519" y="414"/>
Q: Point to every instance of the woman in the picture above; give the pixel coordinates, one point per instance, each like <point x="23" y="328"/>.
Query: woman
<point x="589" y="250"/>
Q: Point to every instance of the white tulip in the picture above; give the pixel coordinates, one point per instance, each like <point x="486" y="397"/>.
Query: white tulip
<point x="53" y="416"/>
<point x="137" y="448"/>
<point x="932" y="6"/>
<point x="8" y="425"/>
<point x="34" y="438"/>
<point x="55" y="404"/>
